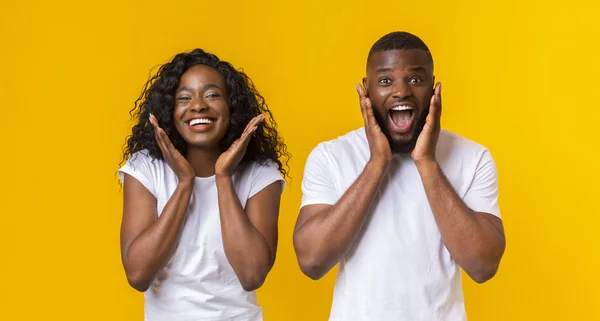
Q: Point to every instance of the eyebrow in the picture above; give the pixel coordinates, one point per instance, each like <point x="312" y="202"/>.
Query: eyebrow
<point x="417" y="69"/>
<point x="383" y="69"/>
<point x="209" y="86"/>
<point x="414" y="69"/>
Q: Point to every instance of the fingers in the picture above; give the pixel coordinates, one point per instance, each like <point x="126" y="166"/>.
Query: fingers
<point x="252" y="126"/>
<point x="435" y="106"/>
<point x="438" y="99"/>
<point x="366" y="108"/>
<point x="361" y="93"/>
<point x="365" y="104"/>
<point x="166" y="141"/>
<point x="154" y="123"/>
<point x="161" y="137"/>
<point x="372" y="122"/>
<point x="254" y="123"/>
<point x="244" y="140"/>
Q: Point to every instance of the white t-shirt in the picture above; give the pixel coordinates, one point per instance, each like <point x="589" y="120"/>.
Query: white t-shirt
<point x="399" y="269"/>
<point x="198" y="283"/>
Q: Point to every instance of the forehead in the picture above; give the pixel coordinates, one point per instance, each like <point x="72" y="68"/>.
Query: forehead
<point x="400" y="60"/>
<point x="201" y="75"/>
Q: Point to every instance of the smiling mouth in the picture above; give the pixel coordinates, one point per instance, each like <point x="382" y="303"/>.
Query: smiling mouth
<point x="402" y="118"/>
<point x="199" y="125"/>
<point x="200" y="121"/>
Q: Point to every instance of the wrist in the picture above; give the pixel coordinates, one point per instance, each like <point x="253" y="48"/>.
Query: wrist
<point x="377" y="165"/>
<point x="380" y="160"/>
<point x="187" y="183"/>
<point x="427" y="164"/>
<point x="223" y="177"/>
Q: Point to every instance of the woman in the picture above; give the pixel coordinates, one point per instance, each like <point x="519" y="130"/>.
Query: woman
<point x="202" y="187"/>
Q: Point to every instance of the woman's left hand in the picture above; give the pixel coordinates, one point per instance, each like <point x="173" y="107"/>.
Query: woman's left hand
<point x="230" y="159"/>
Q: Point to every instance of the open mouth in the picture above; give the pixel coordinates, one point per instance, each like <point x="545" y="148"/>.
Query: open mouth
<point x="402" y="118"/>
<point x="200" y="124"/>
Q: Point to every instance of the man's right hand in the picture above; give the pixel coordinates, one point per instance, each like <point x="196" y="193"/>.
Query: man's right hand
<point x="378" y="142"/>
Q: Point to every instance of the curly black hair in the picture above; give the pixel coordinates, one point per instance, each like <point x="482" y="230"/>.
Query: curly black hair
<point x="245" y="102"/>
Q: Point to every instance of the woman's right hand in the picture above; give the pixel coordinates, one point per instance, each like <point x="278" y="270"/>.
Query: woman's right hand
<point x="182" y="168"/>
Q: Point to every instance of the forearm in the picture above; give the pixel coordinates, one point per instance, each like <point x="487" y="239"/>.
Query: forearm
<point x="326" y="237"/>
<point x="245" y="247"/>
<point x="474" y="243"/>
<point x="152" y="249"/>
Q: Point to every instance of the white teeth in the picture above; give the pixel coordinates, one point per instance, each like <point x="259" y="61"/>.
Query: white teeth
<point x="403" y="107"/>
<point x="200" y="121"/>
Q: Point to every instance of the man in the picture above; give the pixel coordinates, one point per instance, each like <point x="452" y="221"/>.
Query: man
<point x="400" y="204"/>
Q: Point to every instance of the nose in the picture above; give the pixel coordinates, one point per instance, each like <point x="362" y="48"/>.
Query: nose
<point x="198" y="105"/>
<point x="401" y="90"/>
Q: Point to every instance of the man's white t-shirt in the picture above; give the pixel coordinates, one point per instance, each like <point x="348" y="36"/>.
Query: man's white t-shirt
<point x="399" y="269"/>
<point x="198" y="283"/>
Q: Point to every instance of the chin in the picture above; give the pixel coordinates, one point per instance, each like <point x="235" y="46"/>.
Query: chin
<point x="200" y="143"/>
<point x="402" y="138"/>
<point x="203" y="145"/>
<point x="404" y="145"/>
<point x="402" y="148"/>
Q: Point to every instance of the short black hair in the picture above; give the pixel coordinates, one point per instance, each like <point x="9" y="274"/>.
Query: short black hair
<point x="399" y="40"/>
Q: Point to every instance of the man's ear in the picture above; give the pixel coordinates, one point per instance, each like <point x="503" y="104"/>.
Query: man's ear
<point x="365" y="86"/>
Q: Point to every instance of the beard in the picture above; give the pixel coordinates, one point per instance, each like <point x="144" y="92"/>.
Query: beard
<point x="401" y="147"/>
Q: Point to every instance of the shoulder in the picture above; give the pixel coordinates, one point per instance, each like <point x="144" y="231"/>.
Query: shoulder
<point x="254" y="171"/>
<point x="266" y="166"/>
<point x="456" y="146"/>
<point x="353" y="142"/>
<point x="462" y="158"/>
<point x="143" y="157"/>
<point x="146" y="169"/>
<point x="254" y="176"/>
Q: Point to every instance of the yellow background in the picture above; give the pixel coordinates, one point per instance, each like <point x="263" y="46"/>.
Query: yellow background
<point x="519" y="77"/>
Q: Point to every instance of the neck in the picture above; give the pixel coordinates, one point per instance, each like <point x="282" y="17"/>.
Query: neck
<point x="203" y="160"/>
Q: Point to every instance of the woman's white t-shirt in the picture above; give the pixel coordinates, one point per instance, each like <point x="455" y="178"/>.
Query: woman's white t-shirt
<point x="198" y="283"/>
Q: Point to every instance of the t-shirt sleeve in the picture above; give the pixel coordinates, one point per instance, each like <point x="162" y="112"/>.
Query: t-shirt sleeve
<point x="482" y="195"/>
<point x="140" y="167"/>
<point x="317" y="184"/>
<point x="265" y="175"/>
